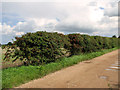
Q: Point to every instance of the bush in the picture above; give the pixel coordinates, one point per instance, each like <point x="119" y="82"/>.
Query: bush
<point x="77" y="43"/>
<point x="9" y="43"/>
<point x="4" y="46"/>
<point x="43" y="47"/>
<point x="89" y="43"/>
<point x="40" y="47"/>
<point x="86" y="43"/>
<point x="82" y="44"/>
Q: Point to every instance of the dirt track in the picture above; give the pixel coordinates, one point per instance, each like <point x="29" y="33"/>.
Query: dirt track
<point x="100" y="72"/>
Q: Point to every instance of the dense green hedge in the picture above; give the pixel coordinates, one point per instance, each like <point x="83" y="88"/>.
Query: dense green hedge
<point x="40" y="47"/>
<point x="86" y="43"/>
<point x="43" y="47"/>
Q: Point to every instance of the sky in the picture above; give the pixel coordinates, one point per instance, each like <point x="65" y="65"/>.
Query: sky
<point x="92" y="17"/>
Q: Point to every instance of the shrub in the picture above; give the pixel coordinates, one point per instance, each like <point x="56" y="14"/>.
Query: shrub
<point x="40" y="47"/>
<point x="77" y="43"/>
<point x="3" y="46"/>
<point x="86" y="43"/>
<point x="89" y="43"/>
<point x="43" y="47"/>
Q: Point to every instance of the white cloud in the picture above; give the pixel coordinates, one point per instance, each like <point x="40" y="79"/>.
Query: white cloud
<point x="36" y="24"/>
<point x="30" y="25"/>
<point x="19" y="33"/>
<point x="91" y="17"/>
<point x="6" y="29"/>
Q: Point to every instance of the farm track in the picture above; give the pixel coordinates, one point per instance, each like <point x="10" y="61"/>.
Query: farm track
<point x="100" y="72"/>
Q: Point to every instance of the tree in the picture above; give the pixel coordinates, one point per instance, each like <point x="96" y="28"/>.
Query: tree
<point x="119" y="37"/>
<point x="114" y="36"/>
<point x="9" y="43"/>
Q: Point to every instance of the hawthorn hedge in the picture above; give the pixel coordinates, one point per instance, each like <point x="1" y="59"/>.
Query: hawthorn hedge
<point x="40" y="47"/>
<point x="86" y="43"/>
<point x="44" y="47"/>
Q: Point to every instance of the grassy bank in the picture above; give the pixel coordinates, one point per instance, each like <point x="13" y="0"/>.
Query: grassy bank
<point x="12" y="77"/>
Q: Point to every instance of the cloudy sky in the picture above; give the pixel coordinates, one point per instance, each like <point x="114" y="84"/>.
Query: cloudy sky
<point x="93" y="17"/>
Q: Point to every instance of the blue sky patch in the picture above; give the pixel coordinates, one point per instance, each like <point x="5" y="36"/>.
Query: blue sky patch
<point x="58" y="19"/>
<point x="11" y="19"/>
<point x="101" y="8"/>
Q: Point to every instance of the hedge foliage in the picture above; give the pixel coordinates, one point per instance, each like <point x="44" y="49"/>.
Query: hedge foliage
<point x="44" y="47"/>
<point x="40" y="47"/>
<point x="86" y="43"/>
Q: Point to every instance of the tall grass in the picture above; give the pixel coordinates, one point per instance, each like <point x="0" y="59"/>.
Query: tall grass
<point x="12" y="77"/>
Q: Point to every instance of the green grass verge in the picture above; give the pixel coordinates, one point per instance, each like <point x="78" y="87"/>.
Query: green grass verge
<point x="12" y="77"/>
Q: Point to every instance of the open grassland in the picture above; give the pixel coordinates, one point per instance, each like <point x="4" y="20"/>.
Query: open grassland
<point x="15" y="76"/>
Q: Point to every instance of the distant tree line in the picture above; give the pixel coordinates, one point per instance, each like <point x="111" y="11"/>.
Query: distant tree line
<point x="114" y="36"/>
